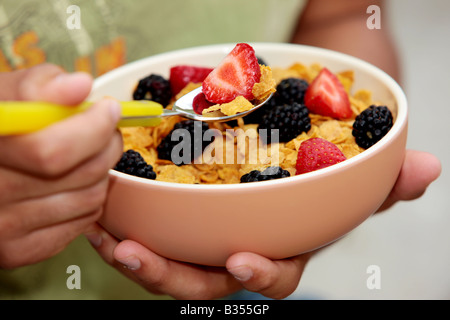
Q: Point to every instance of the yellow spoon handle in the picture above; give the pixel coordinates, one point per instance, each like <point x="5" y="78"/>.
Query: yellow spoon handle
<point x="19" y="117"/>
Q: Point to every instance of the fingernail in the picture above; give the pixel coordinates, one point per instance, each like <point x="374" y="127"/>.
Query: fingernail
<point x="242" y="273"/>
<point x="95" y="239"/>
<point x="130" y="262"/>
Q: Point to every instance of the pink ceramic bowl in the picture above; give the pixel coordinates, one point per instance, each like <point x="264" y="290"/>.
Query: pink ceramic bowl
<point x="205" y="224"/>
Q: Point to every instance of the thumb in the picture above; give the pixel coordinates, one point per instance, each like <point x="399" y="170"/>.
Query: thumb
<point x="45" y="82"/>
<point x="275" y="279"/>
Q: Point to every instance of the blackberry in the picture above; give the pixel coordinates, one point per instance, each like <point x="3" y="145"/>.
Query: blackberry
<point x="256" y="116"/>
<point x="133" y="163"/>
<point x="288" y="91"/>
<point x="269" y="173"/>
<point x="290" y="120"/>
<point x="371" y="125"/>
<point x="185" y="136"/>
<point x="291" y="90"/>
<point x="261" y="61"/>
<point x="153" y="87"/>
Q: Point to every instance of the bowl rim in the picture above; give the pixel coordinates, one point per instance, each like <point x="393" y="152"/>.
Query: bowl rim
<point x="396" y="90"/>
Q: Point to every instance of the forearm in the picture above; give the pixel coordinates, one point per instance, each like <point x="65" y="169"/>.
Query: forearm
<point x="344" y="29"/>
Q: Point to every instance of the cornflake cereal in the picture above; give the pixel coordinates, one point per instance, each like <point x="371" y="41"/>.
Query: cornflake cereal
<point x="237" y="149"/>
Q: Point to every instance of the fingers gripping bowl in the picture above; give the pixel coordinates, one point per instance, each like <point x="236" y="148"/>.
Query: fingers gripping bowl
<point x="205" y="224"/>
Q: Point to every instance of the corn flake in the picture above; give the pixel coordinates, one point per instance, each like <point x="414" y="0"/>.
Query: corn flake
<point x="238" y="105"/>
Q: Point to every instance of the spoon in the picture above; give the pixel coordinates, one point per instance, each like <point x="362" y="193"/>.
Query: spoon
<point x="19" y="117"/>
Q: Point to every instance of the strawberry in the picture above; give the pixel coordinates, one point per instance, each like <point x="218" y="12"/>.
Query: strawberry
<point x="317" y="153"/>
<point x="326" y="96"/>
<point x="181" y="75"/>
<point x="234" y="76"/>
<point x="200" y="103"/>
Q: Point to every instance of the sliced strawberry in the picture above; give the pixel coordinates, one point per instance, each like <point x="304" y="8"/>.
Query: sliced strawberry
<point x="181" y="75"/>
<point x="200" y="103"/>
<point x="235" y="76"/>
<point x="326" y="96"/>
<point x="317" y="153"/>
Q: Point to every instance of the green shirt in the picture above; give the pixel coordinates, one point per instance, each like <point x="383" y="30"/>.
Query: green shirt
<point x="97" y="36"/>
